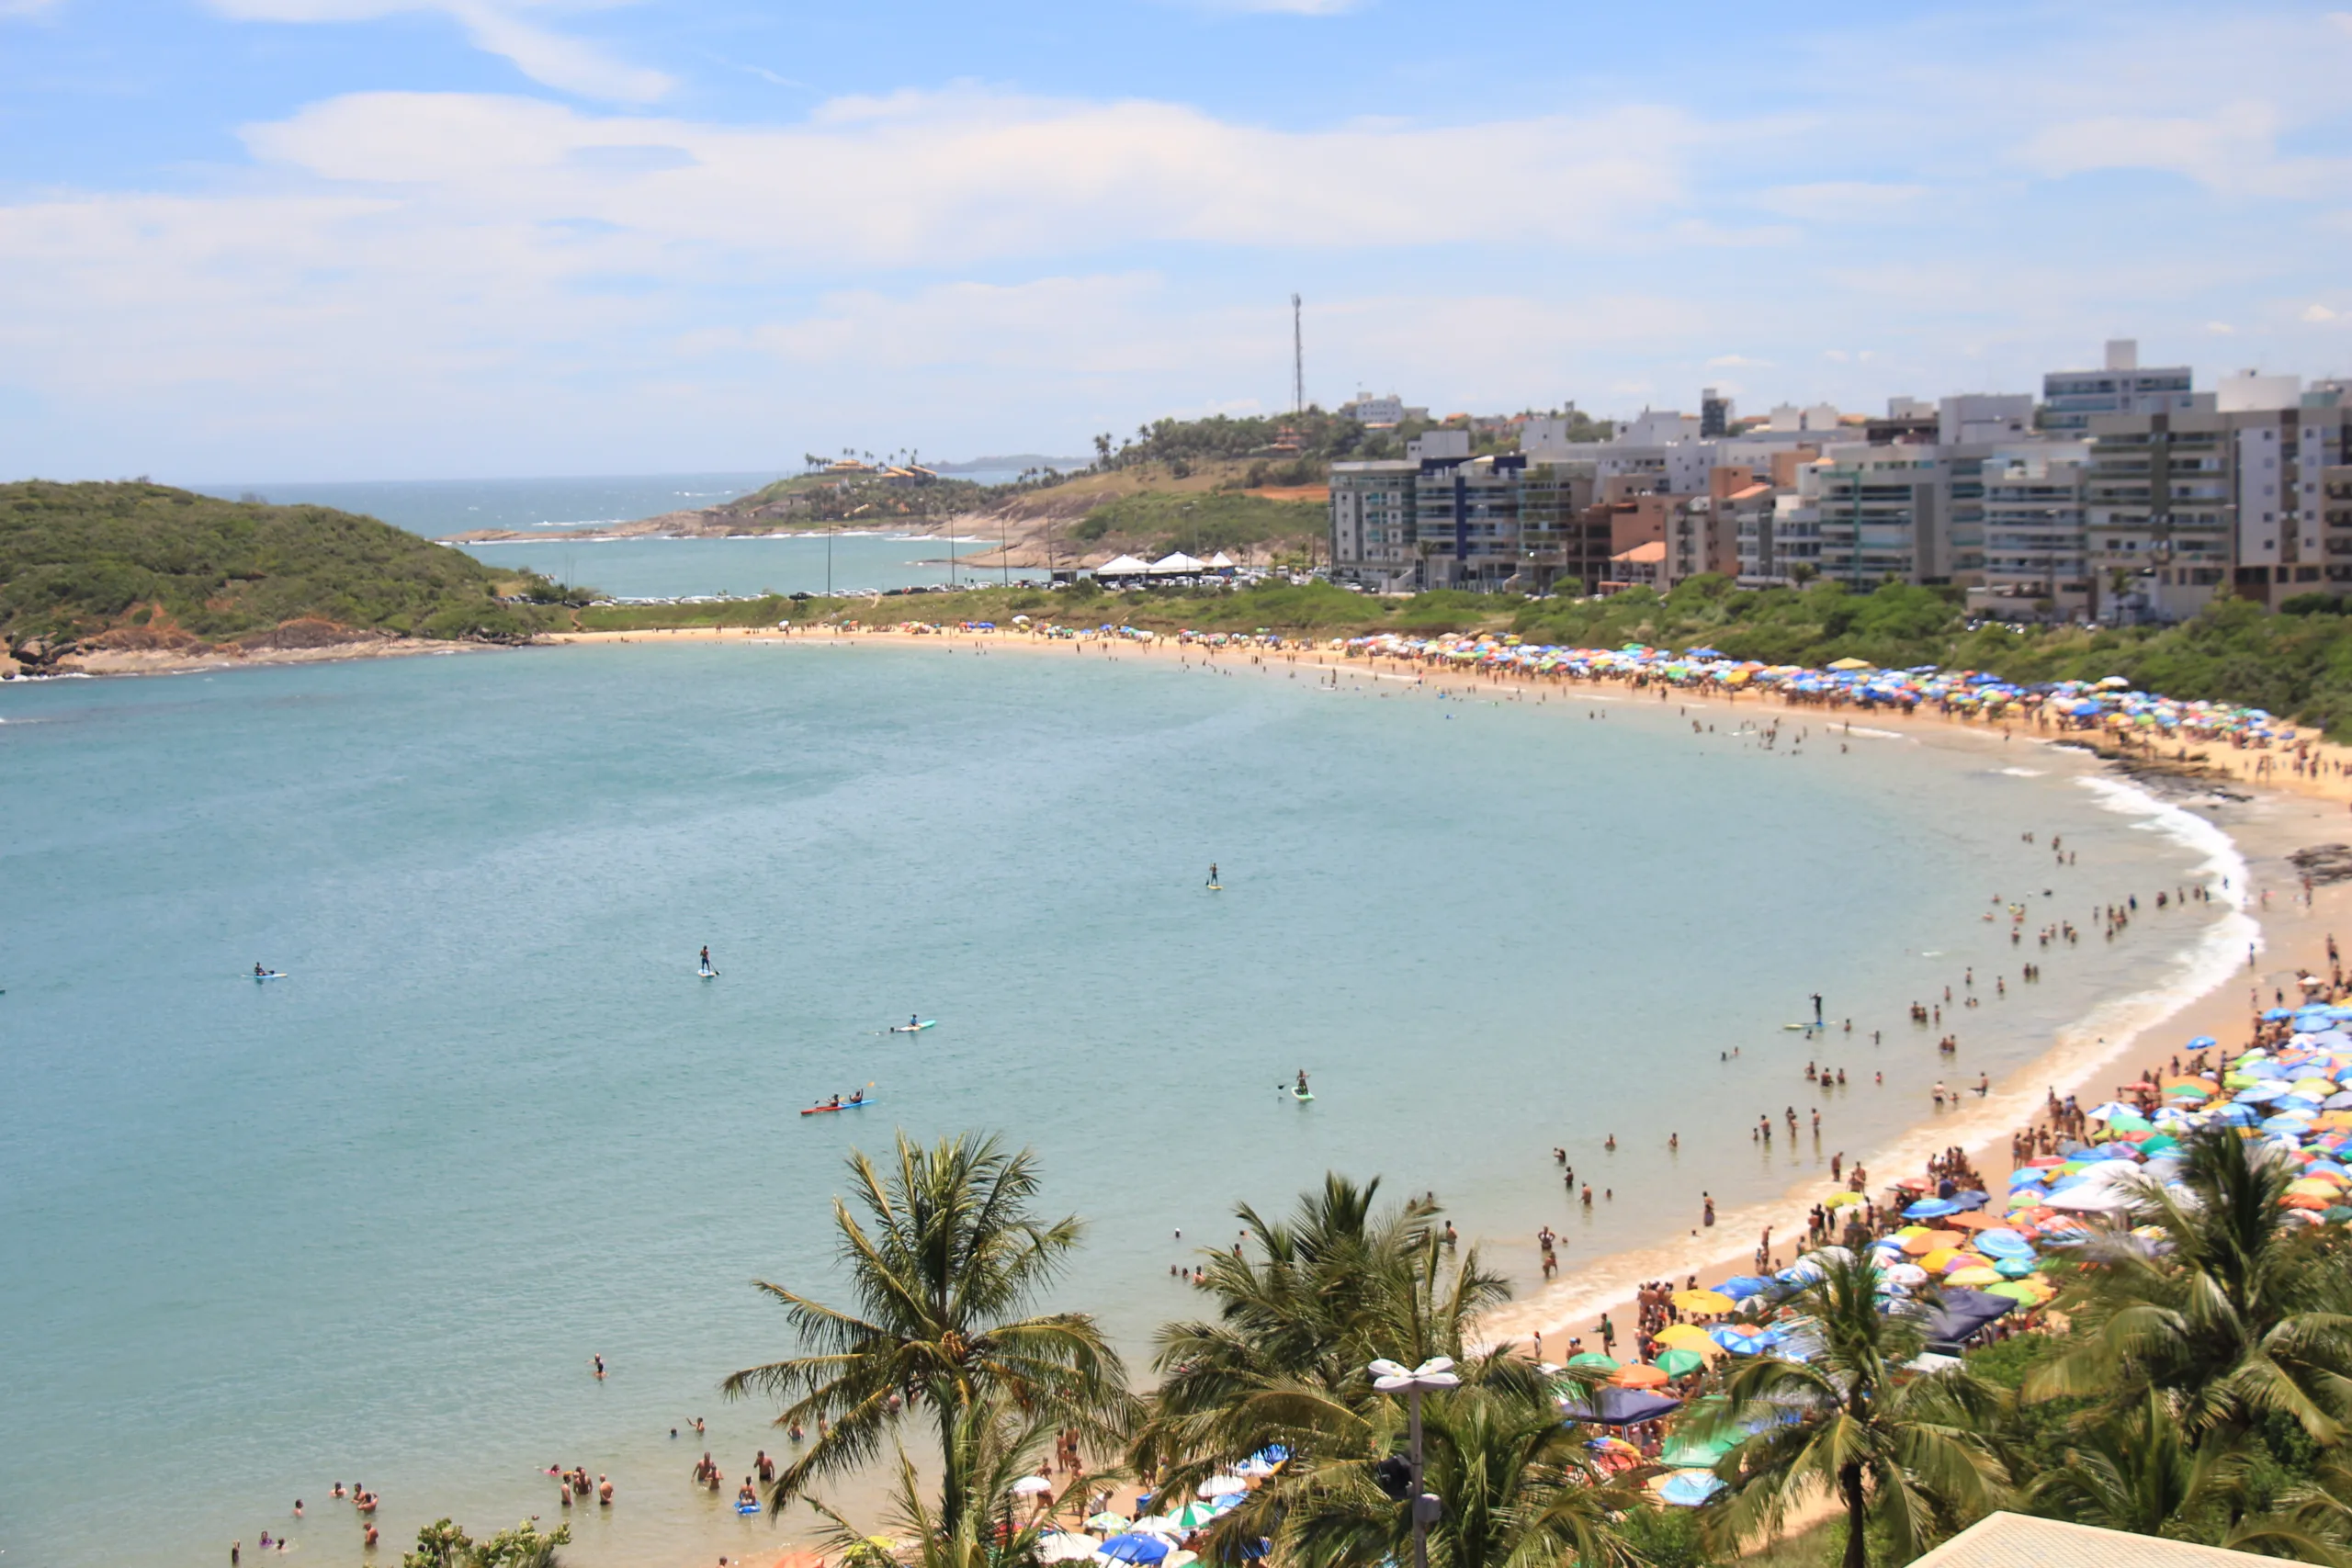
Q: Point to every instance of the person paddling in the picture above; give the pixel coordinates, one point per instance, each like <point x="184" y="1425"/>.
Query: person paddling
<point x="706" y="962"/>
<point x="1301" y="1090"/>
<point x="259" y="971"/>
<point x="1213" y="880"/>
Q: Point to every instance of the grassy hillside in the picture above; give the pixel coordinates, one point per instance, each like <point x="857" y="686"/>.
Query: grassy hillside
<point x="138" y="564"/>
<point x="1201" y="523"/>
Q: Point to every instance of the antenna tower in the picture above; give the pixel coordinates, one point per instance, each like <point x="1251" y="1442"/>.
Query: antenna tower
<point x="1298" y="359"/>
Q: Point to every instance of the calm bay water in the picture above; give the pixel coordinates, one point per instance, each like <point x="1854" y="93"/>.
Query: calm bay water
<point x="370" y="1222"/>
<point x="771" y="563"/>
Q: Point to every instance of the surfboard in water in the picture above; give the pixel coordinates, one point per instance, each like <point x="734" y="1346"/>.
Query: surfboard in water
<point x="915" y="1028"/>
<point x="272" y="974"/>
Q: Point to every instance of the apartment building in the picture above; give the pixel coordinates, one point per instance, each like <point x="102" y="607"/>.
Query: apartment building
<point x="2035" y="564"/>
<point x="1501" y="522"/>
<point x="1372" y="524"/>
<point x="2071" y="399"/>
<point x="2233" y="493"/>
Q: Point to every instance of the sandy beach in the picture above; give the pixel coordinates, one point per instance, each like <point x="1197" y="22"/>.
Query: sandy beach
<point x="2267" y="812"/>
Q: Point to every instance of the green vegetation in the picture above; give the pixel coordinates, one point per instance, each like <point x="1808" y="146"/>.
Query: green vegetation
<point x="445" y="1545"/>
<point x="1204" y="524"/>
<point x="148" y="565"/>
<point x="944" y="1266"/>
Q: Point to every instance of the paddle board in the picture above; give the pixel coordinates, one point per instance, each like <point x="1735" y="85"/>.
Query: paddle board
<point x="1217" y="887"/>
<point x="913" y="1028"/>
<point x="1302" y="1098"/>
<point x="707" y="974"/>
<point x="844" y="1105"/>
<point x="273" y="974"/>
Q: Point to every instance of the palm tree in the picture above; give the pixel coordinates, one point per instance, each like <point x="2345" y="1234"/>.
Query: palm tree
<point x="1300" y="1314"/>
<point x="1518" y="1485"/>
<point x="993" y="1443"/>
<point x="2144" y="1474"/>
<point x="2245" y="1310"/>
<point x="952" y="1261"/>
<point x="1903" y="1454"/>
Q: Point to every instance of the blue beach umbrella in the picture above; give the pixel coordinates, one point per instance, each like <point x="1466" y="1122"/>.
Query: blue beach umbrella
<point x="1135" y="1548"/>
<point x="2203" y="1042"/>
<point x="1688" y="1488"/>
<point x="2262" y="1093"/>
<point x="1930" y="1208"/>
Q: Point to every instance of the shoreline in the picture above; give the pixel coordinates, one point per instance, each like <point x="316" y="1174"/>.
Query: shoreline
<point x="2120" y="1036"/>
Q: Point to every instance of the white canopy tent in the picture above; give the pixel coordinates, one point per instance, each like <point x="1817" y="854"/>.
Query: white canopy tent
<point x="1122" y="566"/>
<point x="1178" y="565"/>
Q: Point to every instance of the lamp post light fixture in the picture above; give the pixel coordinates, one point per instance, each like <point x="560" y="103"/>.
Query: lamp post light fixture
<point x="1389" y="1377"/>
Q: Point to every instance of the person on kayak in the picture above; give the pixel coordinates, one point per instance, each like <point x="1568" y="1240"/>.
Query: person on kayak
<point x="835" y="1104"/>
<point x="913" y="1023"/>
<point x="857" y="1098"/>
<point x="259" y="971"/>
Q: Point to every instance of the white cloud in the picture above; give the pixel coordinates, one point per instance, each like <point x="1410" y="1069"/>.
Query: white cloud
<point x="1737" y="362"/>
<point x="2318" y="315"/>
<point x="544" y="56"/>
<point x="1842" y="201"/>
<point x="944" y="177"/>
<point x="2221" y="329"/>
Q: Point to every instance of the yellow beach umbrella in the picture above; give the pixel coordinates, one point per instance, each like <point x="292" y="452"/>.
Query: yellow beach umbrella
<point x="1686" y="1336"/>
<point x="1973" y="1275"/>
<point x="1841" y="1200"/>
<point x="1703" y="1301"/>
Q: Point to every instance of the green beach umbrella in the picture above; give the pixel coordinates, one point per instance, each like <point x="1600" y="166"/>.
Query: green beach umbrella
<point x="2013" y="1267"/>
<point x="1679" y="1363"/>
<point x="2337" y="1215"/>
<point x="2127" y="1124"/>
<point x="1593" y="1359"/>
<point x="2025" y="1294"/>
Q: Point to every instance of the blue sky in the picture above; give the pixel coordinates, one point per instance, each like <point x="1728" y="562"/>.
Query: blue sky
<point x="315" y="239"/>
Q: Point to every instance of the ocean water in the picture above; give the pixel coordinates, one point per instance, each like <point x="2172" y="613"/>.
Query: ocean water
<point x="370" y="1222"/>
<point x="439" y="507"/>
<point x="771" y="563"/>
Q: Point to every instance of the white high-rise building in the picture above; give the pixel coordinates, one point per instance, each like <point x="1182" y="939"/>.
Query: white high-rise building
<point x="2071" y="399"/>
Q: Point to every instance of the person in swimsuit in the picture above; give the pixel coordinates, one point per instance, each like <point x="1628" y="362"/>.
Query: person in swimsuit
<point x="1212" y="873"/>
<point x="706" y="962"/>
<point x="857" y="1098"/>
<point x="1301" y="1088"/>
<point x="259" y="971"/>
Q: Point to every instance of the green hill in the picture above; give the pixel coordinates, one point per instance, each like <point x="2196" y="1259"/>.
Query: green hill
<point x="144" y="565"/>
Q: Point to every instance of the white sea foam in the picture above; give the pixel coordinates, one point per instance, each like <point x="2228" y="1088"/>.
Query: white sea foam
<point x="2023" y="772"/>
<point x="2082" y="1050"/>
<point x="1877" y="734"/>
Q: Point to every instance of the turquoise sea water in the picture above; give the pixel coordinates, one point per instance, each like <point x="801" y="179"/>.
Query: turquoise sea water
<point x="370" y="1222"/>
<point x="772" y="563"/>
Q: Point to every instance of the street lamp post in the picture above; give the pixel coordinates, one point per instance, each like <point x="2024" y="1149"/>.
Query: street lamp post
<point x="1389" y="1377"/>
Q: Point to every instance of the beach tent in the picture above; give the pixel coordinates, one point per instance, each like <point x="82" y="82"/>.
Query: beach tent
<point x="1178" y="564"/>
<point x="1962" y="1315"/>
<point x="1122" y="566"/>
<point x="1221" y="562"/>
<point x="1618" y="1407"/>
